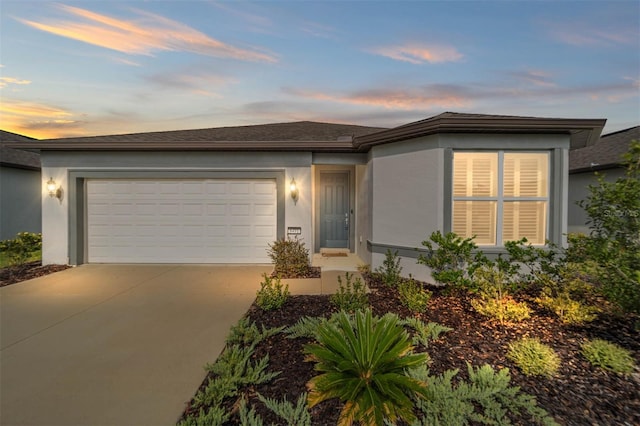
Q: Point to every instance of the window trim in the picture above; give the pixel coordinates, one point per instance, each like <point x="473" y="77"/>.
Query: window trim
<point x="500" y="198"/>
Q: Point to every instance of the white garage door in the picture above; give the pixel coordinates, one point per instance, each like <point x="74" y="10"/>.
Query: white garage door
<point x="180" y="221"/>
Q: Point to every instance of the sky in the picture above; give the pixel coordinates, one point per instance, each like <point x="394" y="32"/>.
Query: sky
<point x="82" y="68"/>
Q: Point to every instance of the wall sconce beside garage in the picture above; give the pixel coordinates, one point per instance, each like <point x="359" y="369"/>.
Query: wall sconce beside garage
<point x="54" y="190"/>
<point x="295" y="192"/>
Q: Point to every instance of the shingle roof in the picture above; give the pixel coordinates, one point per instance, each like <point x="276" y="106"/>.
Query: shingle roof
<point x="606" y="153"/>
<point x="296" y="136"/>
<point x="296" y="131"/>
<point x="17" y="157"/>
<point x="310" y="136"/>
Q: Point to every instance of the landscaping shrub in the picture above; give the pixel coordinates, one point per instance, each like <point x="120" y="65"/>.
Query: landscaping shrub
<point x="449" y="257"/>
<point x="413" y="296"/>
<point x="216" y="416"/>
<point x="494" y="290"/>
<point x="531" y="265"/>
<point x="568" y="310"/>
<point x="236" y="367"/>
<point x="272" y="294"/>
<point x="505" y="310"/>
<point x="533" y="357"/>
<point x="290" y="258"/>
<point x="424" y="333"/>
<point x="390" y="270"/>
<point x="20" y="249"/>
<point x="608" y="356"/>
<point x="364" y="362"/>
<point x="293" y="415"/>
<point x="487" y="399"/>
<point x="350" y="296"/>
<point x="613" y="245"/>
<point x="247" y="333"/>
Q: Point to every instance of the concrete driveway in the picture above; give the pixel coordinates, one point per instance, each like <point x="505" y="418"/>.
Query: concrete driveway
<point x="115" y="344"/>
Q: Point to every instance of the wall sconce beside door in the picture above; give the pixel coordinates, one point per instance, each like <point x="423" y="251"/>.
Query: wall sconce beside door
<point x="55" y="191"/>
<point x="295" y="192"/>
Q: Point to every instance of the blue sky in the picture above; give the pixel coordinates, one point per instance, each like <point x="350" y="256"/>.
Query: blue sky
<point x="106" y="67"/>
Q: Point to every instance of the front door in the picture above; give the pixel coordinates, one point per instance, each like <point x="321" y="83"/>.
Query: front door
<point x="334" y="209"/>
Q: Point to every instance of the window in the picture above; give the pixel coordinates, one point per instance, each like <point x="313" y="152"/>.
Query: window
<point x="501" y="196"/>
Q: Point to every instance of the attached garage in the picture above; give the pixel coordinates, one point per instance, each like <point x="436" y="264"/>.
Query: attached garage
<point x="180" y="220"/>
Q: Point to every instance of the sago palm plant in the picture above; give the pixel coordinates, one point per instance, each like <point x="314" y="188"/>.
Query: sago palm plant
<point x="364" y="362"/>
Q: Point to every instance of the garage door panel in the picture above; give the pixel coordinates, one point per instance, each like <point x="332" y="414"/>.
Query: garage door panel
<point x="172" y="221"/>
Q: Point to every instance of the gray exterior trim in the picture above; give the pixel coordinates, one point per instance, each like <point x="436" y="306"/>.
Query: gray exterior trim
<point x="77" y="196"/>
<point x="339" y="159"/>
<point x="403" y="251"/>
<point x="447" y="219"/>
<point x="556" y="212"/>
<point x="84" y="160"/>
<point x="414" y="252"/>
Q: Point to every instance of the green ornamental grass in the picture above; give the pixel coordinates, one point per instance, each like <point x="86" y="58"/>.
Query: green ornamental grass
<point x="533" y="357"/>
<point x="608" y="356"/>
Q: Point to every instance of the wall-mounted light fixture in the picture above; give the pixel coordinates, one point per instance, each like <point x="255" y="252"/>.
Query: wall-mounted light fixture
<point x="295" y="192"/>
<point x="54" y="189"/>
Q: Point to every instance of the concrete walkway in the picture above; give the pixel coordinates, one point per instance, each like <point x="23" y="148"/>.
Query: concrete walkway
<point x="115" y="344"/>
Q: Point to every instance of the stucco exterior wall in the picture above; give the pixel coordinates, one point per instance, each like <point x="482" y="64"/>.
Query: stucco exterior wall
<point x="20" y="194"/>
<point x="579" y="190"/>
<point x="59" y="165"/>
<point x="407" y="182"/>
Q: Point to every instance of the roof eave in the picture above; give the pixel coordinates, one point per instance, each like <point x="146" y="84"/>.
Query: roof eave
<point x="573" y="127"/>
<point x="276" y="146"/>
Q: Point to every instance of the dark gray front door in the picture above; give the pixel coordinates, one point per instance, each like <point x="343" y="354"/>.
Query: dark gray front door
<point x="334" y="209"/>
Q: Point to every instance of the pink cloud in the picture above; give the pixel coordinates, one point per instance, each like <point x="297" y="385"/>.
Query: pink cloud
<point x="419" y="54"/>
<point x="5" y="81"/>
<point x="148" y="34"/>
<point x="425" y="98"/>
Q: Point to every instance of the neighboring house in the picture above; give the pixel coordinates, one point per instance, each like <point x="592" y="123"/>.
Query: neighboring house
<point x="221" y="195"/>
<point x="605" y="157"/>
<point x="20" y="188"/>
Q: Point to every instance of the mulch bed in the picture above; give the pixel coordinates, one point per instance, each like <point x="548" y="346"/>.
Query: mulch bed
<point x="27" y="271"/>
<point x="579" y="395"/>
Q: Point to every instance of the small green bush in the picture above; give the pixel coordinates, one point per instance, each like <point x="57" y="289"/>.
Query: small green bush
<point x="568" y="310"/>
<point x="247" y="333"/>
<point x="216" y="416"/>
<point x="413" y="296"/>
<point x="494" y="283"/>
<point x="487" y="399"/>
<point x="272" y="294"/>
<point x="533" y="357"/>
<point x="350" y="296"/>
<point x="608" y="356"/>
<point x="293" y="415"/>
<point x="505" y="310"/>
<point x="290" y="258"/>
<point x="390" y="270"/>
<point x="424" y="333"/>
<point x="363" y="362"/>
<point x="449" y="257"/>
<point x="20" y="249"/>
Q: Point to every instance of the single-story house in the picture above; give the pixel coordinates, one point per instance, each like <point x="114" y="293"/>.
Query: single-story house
<point x="221" y="195"/>
<point x="20" y="188"/>
<point x="605" y="158"/>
